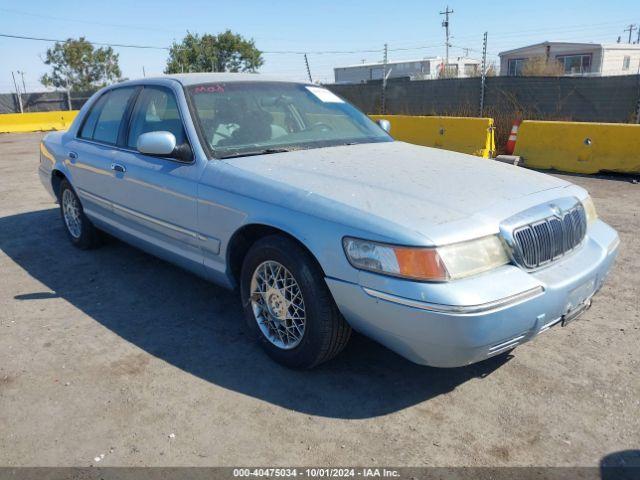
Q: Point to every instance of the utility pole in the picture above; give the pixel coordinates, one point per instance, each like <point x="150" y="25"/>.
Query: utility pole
<point x="144" y="74"/>
<point x="445" y="24"/>
<point x="306" y="62"/>
<point x="630" y="29"/>
<point x="17" y="92"/>
<point x="638" y="39"/>
<point x="484" y="73"/>
<point x="384" y="79"/>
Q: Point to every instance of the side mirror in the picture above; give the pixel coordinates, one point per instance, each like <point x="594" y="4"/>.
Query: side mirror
<point x="156" y="143"/>
<point x="163" y="144"/>
<point x="385" y="125"/>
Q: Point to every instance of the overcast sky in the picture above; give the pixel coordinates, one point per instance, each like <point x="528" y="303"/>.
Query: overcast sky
<point x="411" y="28"/>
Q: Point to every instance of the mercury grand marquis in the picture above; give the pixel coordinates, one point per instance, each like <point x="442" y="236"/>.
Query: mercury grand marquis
<point x="324" y="223"/>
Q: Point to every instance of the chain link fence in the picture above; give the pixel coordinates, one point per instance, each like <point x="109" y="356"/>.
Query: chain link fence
<point x="43" y="101"/>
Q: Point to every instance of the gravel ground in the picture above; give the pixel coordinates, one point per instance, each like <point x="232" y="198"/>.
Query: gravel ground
<point x="113" y="357"/>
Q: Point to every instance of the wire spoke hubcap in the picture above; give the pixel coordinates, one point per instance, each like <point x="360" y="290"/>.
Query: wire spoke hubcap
<point x="71" y="213"/>
<point x="278" y="306"/>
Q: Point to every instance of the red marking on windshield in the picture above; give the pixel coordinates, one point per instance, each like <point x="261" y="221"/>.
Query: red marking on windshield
<point x="209" y="89"/>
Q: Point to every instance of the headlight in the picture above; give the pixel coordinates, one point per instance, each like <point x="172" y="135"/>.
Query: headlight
<point x="475" y="256"/>
<point x="590" y="210"/>
<point x="439" y="264"/>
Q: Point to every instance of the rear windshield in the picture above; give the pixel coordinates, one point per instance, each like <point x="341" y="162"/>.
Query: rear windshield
<point x="244" y="117"/>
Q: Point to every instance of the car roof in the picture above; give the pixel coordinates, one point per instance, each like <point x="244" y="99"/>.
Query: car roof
<point x="187" y="79"/>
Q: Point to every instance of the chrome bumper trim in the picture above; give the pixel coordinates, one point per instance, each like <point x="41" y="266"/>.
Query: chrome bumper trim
<point x="613" y="246"/>
<point x="457" y="309"/>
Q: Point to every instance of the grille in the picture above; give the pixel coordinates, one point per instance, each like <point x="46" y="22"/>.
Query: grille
<point x="546" y="240"/>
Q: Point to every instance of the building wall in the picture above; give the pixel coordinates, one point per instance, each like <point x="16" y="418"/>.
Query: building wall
<point x="364" y="73"/>
<point x="614" y="58"/>
<point x="422" y="69"/>
<point x="555" y="51"/>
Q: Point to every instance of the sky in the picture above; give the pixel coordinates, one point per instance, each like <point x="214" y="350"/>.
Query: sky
<point x="335" y="33"/>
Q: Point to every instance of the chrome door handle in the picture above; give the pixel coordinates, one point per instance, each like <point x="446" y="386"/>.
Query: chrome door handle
<point x="116" y="167"/>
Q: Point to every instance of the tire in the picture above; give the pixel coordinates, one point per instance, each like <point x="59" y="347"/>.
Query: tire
<point x="321" y="335"/>
<point x="81" y="232"/>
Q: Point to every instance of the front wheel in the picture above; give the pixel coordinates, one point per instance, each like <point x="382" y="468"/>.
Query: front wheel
<point x="288" y="306"/>
<point x="79" y="228"/>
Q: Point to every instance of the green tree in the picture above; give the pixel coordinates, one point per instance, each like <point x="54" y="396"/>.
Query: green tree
<point x="225" y="52"/>
<point x="77" y="65"/>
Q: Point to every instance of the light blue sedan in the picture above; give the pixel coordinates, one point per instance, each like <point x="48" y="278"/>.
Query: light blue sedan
<point x="323" y="222"/>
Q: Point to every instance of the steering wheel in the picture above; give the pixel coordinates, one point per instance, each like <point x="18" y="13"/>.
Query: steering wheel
<point x="212" y="126"/>
<point x="325" y="127"/>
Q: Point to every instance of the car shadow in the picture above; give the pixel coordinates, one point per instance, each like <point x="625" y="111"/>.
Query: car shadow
<point x="621" y="465"/>
<point x="198" y="327"/>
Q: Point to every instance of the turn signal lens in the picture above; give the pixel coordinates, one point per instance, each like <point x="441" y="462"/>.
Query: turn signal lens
<point x="407" y="262"/>
<point x="590" y="210"/>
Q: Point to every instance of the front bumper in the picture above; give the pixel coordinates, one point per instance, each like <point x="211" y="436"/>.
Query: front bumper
<point x="465" y="321"/>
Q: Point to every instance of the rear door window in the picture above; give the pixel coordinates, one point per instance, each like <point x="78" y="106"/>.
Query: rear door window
<point x="92" y="118"/>
<point x="104" y="121"/>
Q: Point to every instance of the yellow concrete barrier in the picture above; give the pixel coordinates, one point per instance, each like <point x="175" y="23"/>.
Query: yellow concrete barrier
<point x="460" y="134"/>
<point x="36" y="121"/>
<point x="580" y="147"/>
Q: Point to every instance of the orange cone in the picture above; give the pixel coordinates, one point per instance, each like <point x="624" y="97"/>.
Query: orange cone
<point x="511" y="143"/>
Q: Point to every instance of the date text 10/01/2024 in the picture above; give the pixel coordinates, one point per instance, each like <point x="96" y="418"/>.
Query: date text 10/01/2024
<point x="316" y="472"/>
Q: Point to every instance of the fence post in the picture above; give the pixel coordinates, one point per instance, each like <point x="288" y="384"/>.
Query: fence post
<point x="638" y="104"/>
<point x="306" y="62"/>
<point x="484" y="74"/>
<point x="384" y="82"/>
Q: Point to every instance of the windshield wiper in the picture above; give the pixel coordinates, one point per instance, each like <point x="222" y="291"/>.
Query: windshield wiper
<point x="264" y="151"/>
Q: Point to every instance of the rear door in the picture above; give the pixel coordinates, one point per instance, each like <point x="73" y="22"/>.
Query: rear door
<point x="157" y="197"/>
<point x="91" y="154"/>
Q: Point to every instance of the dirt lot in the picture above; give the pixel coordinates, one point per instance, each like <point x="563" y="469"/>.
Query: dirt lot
<point x="112" y="352"/>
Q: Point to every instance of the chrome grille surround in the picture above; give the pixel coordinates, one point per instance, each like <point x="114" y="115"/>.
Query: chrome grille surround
<point x="543" y="234"/>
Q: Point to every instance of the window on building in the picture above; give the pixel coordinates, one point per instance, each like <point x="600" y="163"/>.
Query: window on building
<point x="575" y="64"/>
<point x="376" y="73"/>
<point x="451" y="70"/>
<point x="626" y="62"/>
<point x="470" y="69"/>
<point x="514" y="66"/>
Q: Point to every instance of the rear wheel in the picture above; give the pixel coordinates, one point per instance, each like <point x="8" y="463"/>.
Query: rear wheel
<point x="79" y="228"/>
<point x="288" y="306"/>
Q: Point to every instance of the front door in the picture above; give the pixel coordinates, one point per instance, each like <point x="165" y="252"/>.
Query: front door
<point x="156" y="198"/>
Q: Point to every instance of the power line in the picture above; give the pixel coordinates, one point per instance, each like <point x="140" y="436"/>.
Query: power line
<point x="88" y="22"/>
<point x="102" y="44"/>
<point x="323" y="52"/>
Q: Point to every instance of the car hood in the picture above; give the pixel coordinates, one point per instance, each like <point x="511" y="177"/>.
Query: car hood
<point x="409" y="185"/>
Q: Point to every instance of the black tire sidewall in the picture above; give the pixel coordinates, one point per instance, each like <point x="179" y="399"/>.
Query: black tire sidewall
<point x="87" y="233"/>
<point x="284" y="251"/>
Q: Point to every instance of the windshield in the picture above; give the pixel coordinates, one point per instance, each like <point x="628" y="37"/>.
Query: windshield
<point x="243" y="118"/>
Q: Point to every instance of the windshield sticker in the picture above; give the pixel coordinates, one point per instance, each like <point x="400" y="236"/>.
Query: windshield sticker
<point x="208" y="89"/>
<point x="325" y="95"/>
